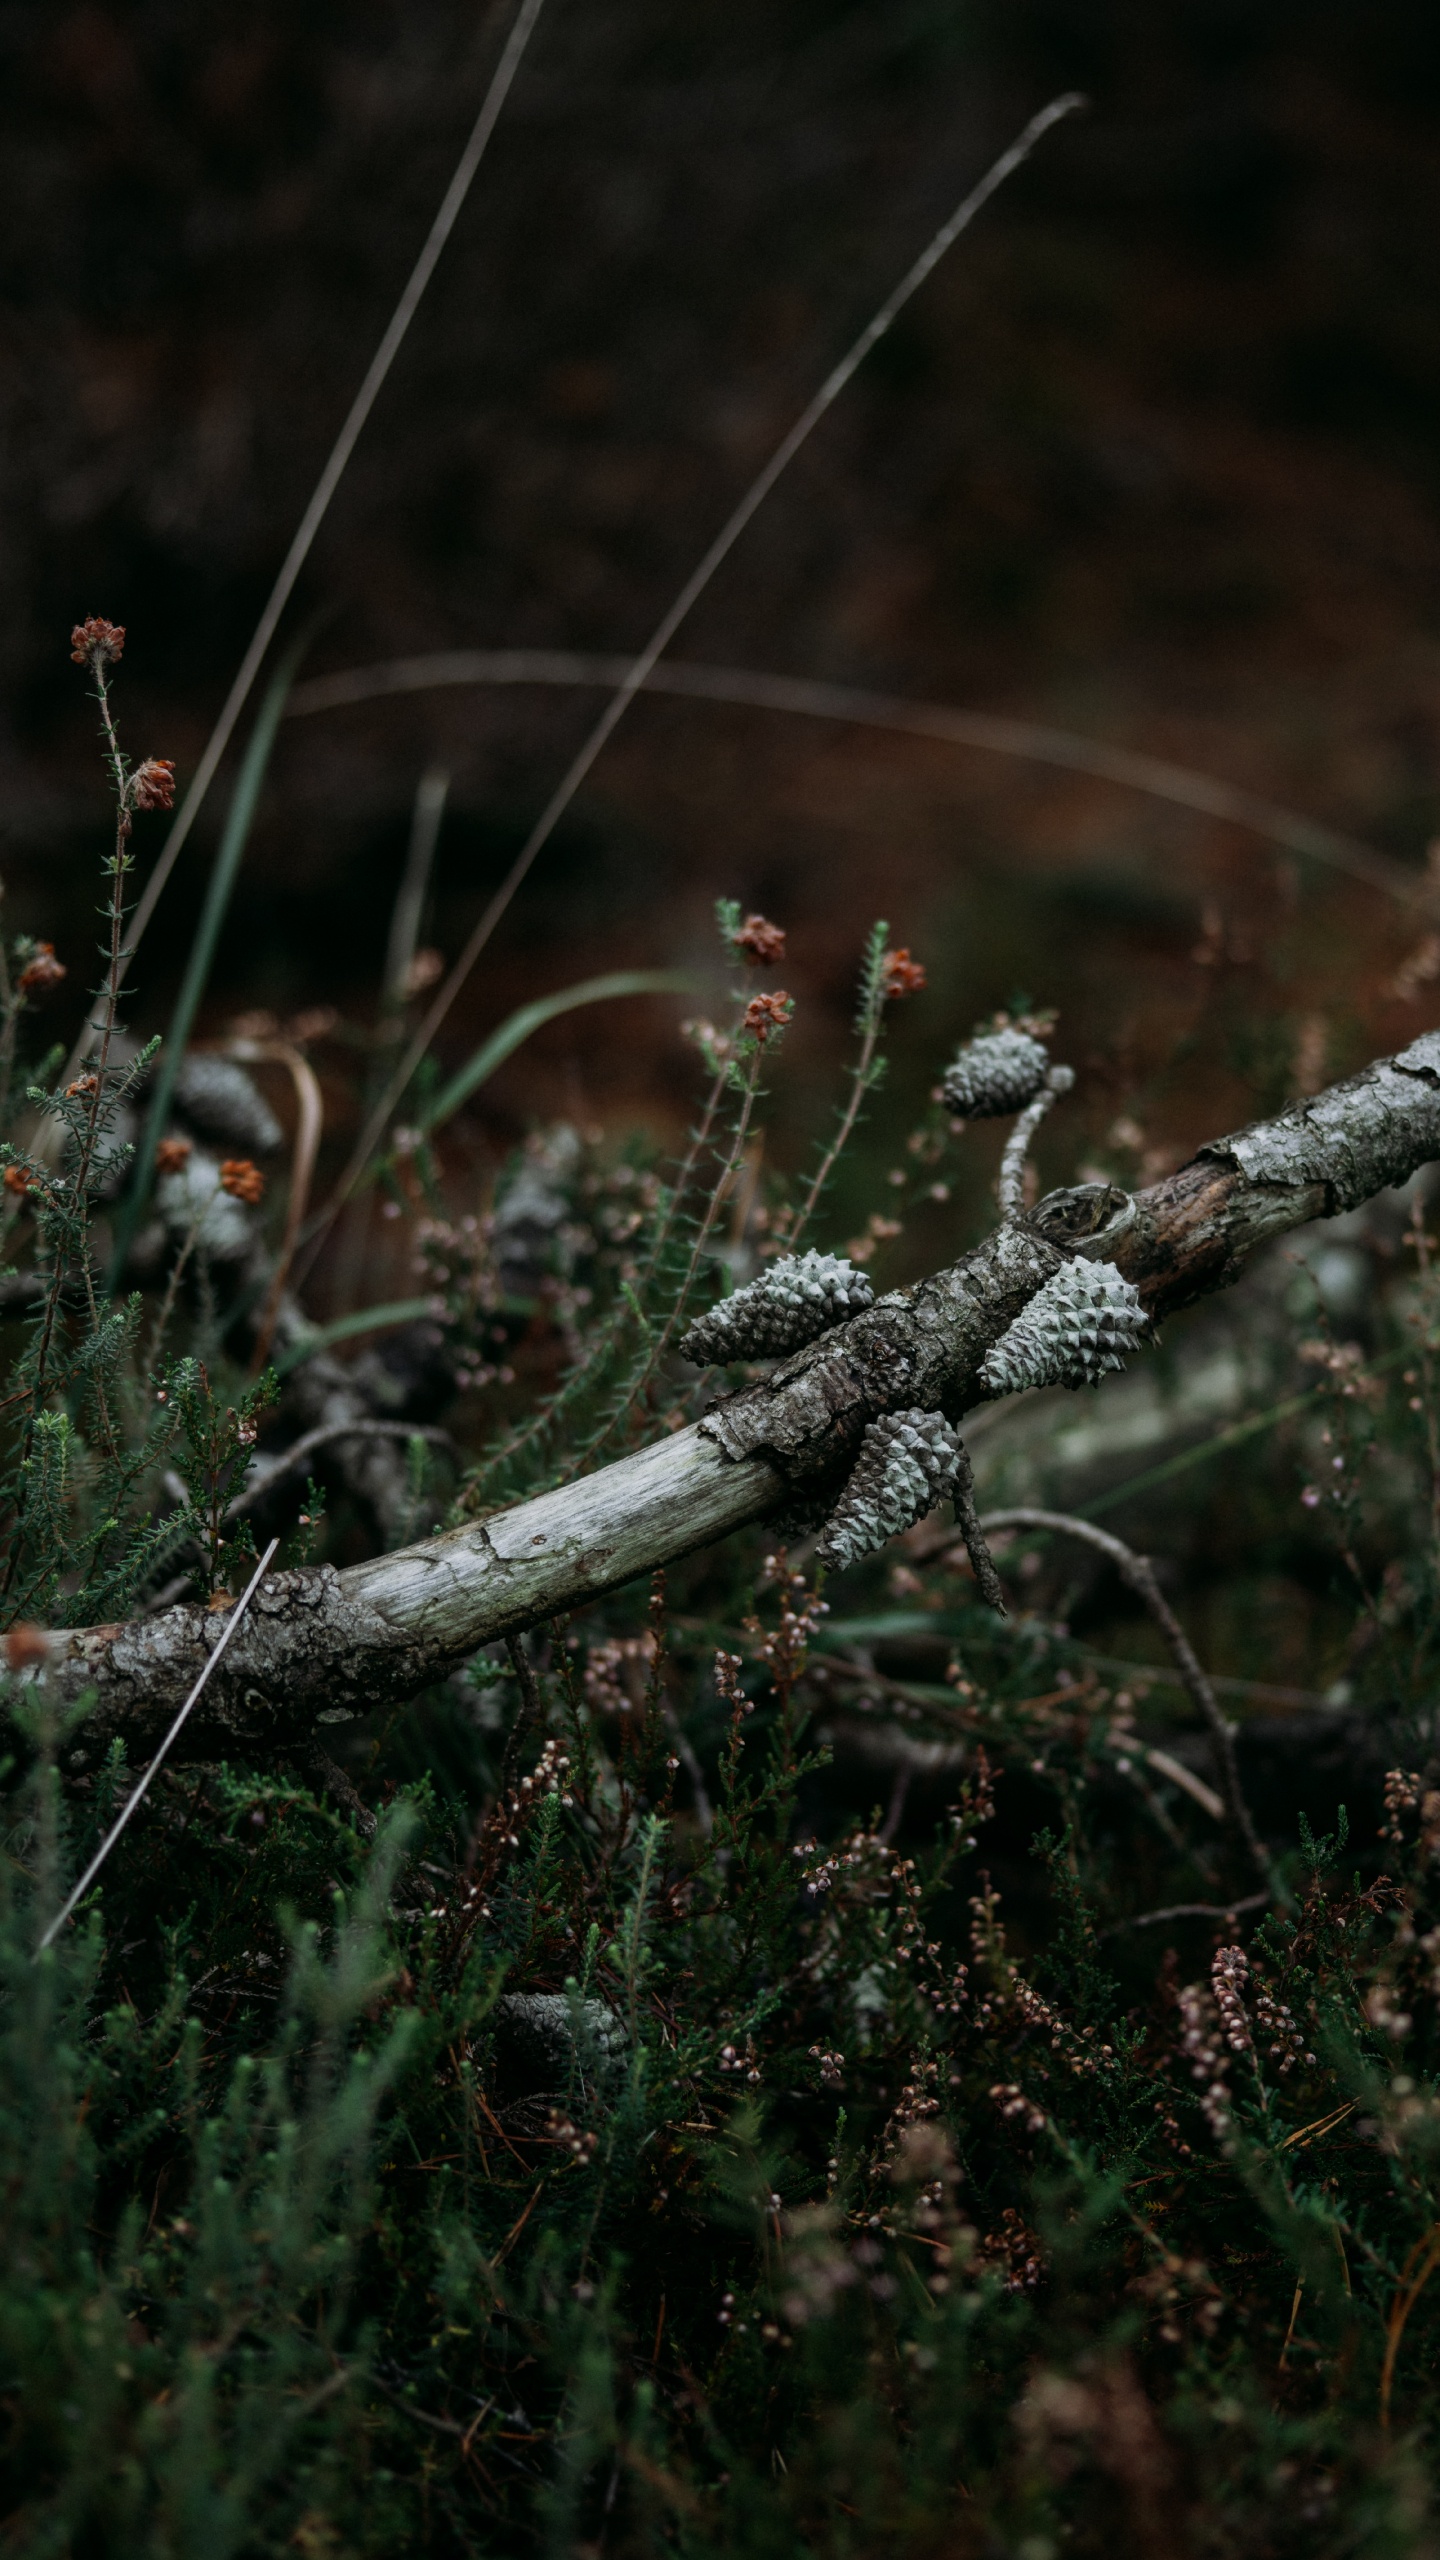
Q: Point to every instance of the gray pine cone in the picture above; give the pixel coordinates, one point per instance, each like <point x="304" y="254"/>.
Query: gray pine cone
<point x="1081" y="1323"/>
<point x="996" y="1074"/>
<point x="222" y="1102"/>
<point x="907" y="1463"/>
<point x="793" y="1300"/>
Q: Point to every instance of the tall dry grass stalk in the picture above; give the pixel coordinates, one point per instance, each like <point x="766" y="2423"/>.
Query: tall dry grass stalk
<point x="642" y="666"/>
<point x="364" y="401"/>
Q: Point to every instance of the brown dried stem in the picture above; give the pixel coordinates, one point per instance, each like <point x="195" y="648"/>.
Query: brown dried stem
<point x="1138" y="1572"/>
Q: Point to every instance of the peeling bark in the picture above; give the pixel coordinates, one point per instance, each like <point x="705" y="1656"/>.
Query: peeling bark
<point x="319" y="1645"/>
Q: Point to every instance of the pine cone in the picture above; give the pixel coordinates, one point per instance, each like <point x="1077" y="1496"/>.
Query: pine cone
<point x="996" y="1074"/>
<point x="794" y="1299"/>
<point x="907" y="1463"/>
<point x="1081" y="1323"/>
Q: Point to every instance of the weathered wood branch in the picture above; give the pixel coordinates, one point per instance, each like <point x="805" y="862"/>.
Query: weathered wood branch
<point x="320" y="1645"/>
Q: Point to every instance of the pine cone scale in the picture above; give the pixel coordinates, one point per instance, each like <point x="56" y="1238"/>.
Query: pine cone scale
<point x="1076" y="1329"/>
<point x="795" y="1299"/>
<point x="907" y="1463"/>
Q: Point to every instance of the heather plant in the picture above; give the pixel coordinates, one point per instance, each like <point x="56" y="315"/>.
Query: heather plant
<point x="798" y="2051"/>
<point x="781" y="2056"/>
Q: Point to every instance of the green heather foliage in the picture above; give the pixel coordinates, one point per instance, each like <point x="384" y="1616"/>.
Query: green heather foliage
<point x="604" y="2131"/>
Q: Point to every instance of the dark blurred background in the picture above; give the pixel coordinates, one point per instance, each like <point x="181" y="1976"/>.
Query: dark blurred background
<point x="1155" y="458"/>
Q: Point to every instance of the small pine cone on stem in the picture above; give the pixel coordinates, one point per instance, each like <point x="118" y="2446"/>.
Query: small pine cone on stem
<point x="907" y="1463"/>
<point x="996" y="1074"/>
<point x="1083" y="1322"/>
<point x="795" y="1298"/>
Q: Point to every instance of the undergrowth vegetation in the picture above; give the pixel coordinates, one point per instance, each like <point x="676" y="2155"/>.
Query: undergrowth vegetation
<point x="595" y="2113"/>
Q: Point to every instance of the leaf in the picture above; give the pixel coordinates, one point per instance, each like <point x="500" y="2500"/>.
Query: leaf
<point x="518" y="1026"/>
<point x="367" y="1320"/>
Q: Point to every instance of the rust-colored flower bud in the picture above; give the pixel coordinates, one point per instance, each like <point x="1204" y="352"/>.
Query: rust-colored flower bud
<point x="902" y="975"/>
<point x="764" y="1014"/>
<point x="242" y="1179"/>
<point x="97" y="643"/>
<point x="152" y="784"/>
<point x="41" y="970"/>
<point x="760" y="940"/>
<point x="172" y="1155"/>
<point x="82" y="1088"/>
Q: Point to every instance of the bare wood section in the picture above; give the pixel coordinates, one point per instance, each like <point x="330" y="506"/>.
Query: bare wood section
<point x="319" y="1645"/>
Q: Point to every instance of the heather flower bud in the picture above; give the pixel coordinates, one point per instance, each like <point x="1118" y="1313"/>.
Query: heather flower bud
<point x="41" y="970"/>
<point x="760" y="941"/>
<point x="242" y="1179"/>
<point x="97" y="643"/>
<point x="900" y="975"/>
<point x="152" y="784"/>
<point x="764" y="1014"/>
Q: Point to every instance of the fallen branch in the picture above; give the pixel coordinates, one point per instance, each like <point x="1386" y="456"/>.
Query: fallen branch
<point x="320" y="1646"/>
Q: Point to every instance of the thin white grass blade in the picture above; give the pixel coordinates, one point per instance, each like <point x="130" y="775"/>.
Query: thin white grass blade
<point x="139" y="1792"/>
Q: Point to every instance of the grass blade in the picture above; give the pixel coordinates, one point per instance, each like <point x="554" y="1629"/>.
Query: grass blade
<point x="518" y="1026"/>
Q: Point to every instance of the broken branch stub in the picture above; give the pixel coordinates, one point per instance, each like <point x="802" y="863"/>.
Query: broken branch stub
<point x="322" y="1645"/>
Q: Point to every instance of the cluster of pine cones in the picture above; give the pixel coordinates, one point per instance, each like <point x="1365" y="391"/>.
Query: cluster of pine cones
<point x="1080" y="1324"/>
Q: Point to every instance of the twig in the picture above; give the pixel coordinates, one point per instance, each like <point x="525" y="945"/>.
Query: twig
<point x="1414" y="2276"/>
<point x="695" y="585"/>
<point x="1186" y="1911"/>
<point x="689" y="1760"/>
<point x="1139" y="1573"/>
<point x="748" y="688"/>
<point x="1010" y="1189"/>
<point x="1144" y="1674"/>
<point x="1179" y="1776"/>
<point x="967" y="1520"/>
<point x="289" y="1460"/>
<point x="531" y="1699"/>
<point x="343" y="447"/>
<point x="139" y="1792"/>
